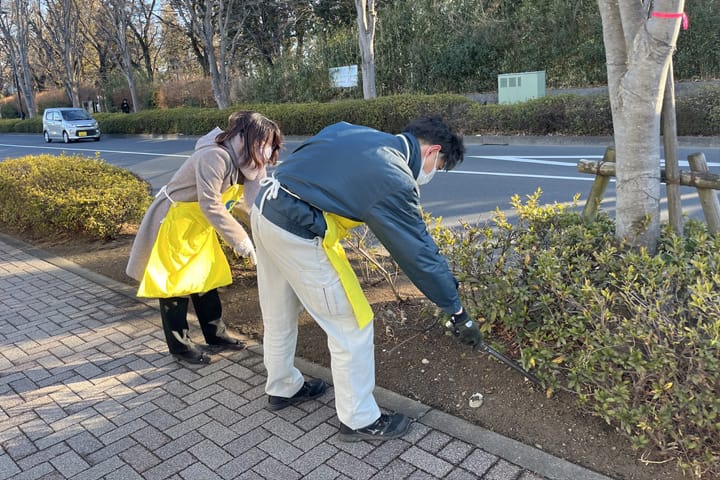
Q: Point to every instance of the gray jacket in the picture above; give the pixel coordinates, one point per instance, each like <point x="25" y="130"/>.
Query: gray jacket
<point x="369" y="176"/>
<point x="203" y="178"/>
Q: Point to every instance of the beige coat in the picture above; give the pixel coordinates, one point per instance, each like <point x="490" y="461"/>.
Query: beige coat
<point x="203" y="178"/>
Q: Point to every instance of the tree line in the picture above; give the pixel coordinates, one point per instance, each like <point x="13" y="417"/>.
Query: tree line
<point x="280" y="51"/>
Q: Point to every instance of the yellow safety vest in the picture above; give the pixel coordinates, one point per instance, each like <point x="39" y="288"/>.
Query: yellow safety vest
<point x="337" y="228"/>
<point x="186" y="256"/>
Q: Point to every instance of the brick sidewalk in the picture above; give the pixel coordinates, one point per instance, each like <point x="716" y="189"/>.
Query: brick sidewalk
<point x="87" y="391"/>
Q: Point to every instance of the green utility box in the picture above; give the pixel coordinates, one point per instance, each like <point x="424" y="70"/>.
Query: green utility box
<point x="518" y="87"/>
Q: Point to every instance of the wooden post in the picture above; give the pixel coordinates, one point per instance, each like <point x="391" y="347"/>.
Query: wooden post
<point x="599" y="185"/>
<point x="670" y="145"/>
<point x="708" y="197"/>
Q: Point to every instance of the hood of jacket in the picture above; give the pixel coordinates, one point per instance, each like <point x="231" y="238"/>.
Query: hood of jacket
<point x="208" y="140"/>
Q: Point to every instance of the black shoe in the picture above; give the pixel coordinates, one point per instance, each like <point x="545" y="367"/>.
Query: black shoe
<point x="384" y="428"/>
<point x="193" y="356"/>
<point x="309" y="390"/>
<point x="225" y="342"/>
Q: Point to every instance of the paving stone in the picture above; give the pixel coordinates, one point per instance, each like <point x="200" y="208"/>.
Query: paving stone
<point x="207" y="385"/>
<point x="19" y="446"/>
<point x="139" y="458"/>
<point x="218" y="433"/>
<point x="42" y="456"/>
<point x="351" y="466"/>
<point x="280" y="449"/>
<point x="426" y="462"/>
<point x="124" y="473"/>
<point x="386" y="453"/>
<point x="420" y="475"/>
<point x="255" y="419"/>
<point x="199" y="471"/>
<point x="101" y="470"/>
<point x="283" y="429"/>
<point x="38" y="471"/>
<point x="315" y="436"/>
<point x="8" y="468"/>
<point x="323" y="472"/>
<point x="503" y="470"/>
<point x="195" y="409"/>
<point x="189" y="425"/>
<point x="69" y="464"/>
<point x="271" y="468"/>
<point x="35" y="429"/>
<point x="232" y="397"/>
<point x="123" y="431"/>
<point x="247" y="441"/>
<point x="160" y="419"/>
<point x="314" y="458"/>
<point x="84" y="443"/>
<point x="479" y="462"/>
<point x="171" y="466"/>
<point x="395" y="470"/>
<point x="210" y="454"/>
<point x="110" y="451"/>
<point x="434" y="441"/>
<point x="150" y="437"/>
<point x="460" y="474"/>
<point x="242" y="463"/>
<point x="179" y="445"/>
<point x="455" y="451"/>
<point x="312" y="420"/>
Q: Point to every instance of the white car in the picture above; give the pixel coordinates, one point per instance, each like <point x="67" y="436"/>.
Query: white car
<point x="69" y="125"/>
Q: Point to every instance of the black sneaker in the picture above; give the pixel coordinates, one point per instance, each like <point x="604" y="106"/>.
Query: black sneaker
<point x="384" y="428"/>
<point x="225" y="342"/>
<point x="309" y="390"/>
<point x="193" y="356"/>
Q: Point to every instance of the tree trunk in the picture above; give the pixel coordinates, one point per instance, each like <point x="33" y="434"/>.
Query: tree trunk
<point x="638" y="61"/>
<point x="366" y="17"/>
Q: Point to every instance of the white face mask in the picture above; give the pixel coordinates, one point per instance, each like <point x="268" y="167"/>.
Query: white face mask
<point x="267" y="153"/>
<point x="423" y="177"/>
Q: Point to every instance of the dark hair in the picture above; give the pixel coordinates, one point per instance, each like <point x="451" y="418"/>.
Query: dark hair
<point x="256" y="130"/>
<point x="435" y="131"/>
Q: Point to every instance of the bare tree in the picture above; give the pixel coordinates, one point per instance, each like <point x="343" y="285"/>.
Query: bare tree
<point x="366" y="18"/>
<point x="145" y="30"/>
<point x="218" y="25"/>
<point x="120" y="14"/>
<point x="640" y="38"/>
<point x="15" y="35"/>
<point x="61" y="44"/>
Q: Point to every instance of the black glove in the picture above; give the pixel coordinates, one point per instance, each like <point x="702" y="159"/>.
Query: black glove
<point x="465" y="328"/>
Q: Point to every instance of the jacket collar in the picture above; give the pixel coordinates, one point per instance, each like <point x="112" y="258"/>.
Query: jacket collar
<point x="413" y="160"/>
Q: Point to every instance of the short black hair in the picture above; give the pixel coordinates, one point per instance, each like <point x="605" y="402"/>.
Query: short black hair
<point x="435" y="131"/>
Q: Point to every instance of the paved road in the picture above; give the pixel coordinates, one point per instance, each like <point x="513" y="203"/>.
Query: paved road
<point x="495" y="168"/>
<point x="87" y="391"/>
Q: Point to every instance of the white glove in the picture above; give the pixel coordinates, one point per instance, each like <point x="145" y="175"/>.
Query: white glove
<point x="246" y="249"/>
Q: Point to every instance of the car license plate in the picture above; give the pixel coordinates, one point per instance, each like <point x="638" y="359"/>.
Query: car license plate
<point x="82" y="134"/>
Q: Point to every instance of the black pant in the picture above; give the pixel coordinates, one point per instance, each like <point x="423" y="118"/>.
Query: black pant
<point x="173" y="312"/>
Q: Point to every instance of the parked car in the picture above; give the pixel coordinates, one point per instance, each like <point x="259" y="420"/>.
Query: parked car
<point x="69" y="125"/>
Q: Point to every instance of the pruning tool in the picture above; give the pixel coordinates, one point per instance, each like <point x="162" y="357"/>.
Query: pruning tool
<point x="507" y="361"/>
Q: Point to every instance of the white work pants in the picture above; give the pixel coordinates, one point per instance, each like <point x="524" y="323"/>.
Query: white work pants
<point x="293" y="273"/>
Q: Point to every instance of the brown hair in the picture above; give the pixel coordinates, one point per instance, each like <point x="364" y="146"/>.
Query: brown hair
<point x="256" y="129"/>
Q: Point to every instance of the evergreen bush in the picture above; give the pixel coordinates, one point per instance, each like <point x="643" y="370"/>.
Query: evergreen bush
<point x="50" y="195"/>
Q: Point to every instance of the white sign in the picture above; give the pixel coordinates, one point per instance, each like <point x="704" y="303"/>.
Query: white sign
<point x="344" y="76"/>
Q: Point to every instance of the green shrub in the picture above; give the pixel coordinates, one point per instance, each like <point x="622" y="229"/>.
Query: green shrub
<point x="635" y="337"/>
<point x="50" y="195"/>
<point x="698" y="113"/>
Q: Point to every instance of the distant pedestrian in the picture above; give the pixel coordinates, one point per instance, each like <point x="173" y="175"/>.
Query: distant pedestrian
<point x="345" y="175"/>
<point x="125" y="106"/>
<point x="192" y="209"/>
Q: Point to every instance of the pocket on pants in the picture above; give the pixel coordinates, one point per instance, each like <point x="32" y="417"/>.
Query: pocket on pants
<point x="329" y="300"/>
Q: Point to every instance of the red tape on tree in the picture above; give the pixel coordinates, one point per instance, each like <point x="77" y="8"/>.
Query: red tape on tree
<point x="683" y="15"/>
